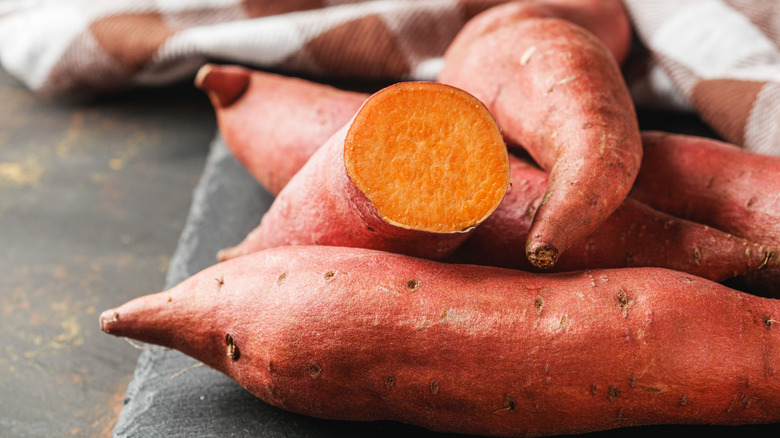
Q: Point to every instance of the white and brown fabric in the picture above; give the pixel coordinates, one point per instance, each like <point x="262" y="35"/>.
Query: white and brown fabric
<point x="66" y="46"/>
<point x="722" y="58"/>
<point x="717" y="57"/>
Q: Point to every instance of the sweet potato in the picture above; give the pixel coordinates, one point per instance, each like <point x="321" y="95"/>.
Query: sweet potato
<point x="606" y="19"/>
<point x="273" y="124"/>
<point x="718" y="184"/>
<point x="711" y="182"/>
<point x="356" y="334"/>
<point x="556" y="91"/>
<point x="634" y="235"/>
<point x="418" y="167"/>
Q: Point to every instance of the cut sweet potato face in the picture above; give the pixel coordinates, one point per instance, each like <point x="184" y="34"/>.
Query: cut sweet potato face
<point x="428" y="156"/>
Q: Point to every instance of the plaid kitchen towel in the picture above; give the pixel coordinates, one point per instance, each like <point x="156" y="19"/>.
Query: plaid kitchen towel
<point x="721" y="58"/>
<point x="717" y="57"/>
<point x="66" y="46"/>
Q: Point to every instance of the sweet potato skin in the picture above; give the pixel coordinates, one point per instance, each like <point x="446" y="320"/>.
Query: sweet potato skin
<point x="355" y="334"/>
<point x="274" y="124"/>
<point x="321" y="206"/>
<point x="555" y="90"/>
<point x="718" y="184"/>
<point x="634" y="235"/>
<point x="711" y="182"/>
<point x="606" y="19"/>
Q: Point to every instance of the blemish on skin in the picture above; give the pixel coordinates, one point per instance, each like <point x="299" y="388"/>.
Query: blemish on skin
<point x="412" y="285"/>
<point x="768" y="256"/>
<point x="115" y="317"/>
<point x="619" y="414"/>
<point x="593" y="389"/>
<point x="282" y="277"/>
<point x="686" y="279"/>
<point x="170" y="299"/>
<point x="389" y="382"/>
<point x="683" y="400"/>
<point x="330" y="275"/>
<point x="563" y="81"/>
<point x="526" y="56"/>
<point x="623" y="302"/>
<point x="220" y="282"/>
<point x="434" y="386"/>
<point x="232" y="348"/>
<point x="509" y="402"/>
<point x="696" y="256"/>
<point x="563" y="321"/>
<point x="545" y="199"/>
<point x="371" y="229"/>
<point x="750" y="202"/>
<point x="633" y="382"/>
<point x="613" y="393"/>
<point x="313" y="369"/>
<point x="539" y="304"/>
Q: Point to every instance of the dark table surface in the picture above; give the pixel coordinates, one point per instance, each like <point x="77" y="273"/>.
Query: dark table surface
<point x="93" y="197"/>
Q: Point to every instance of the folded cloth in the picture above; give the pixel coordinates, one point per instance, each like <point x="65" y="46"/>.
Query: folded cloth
<point x="83" y="46"/>
<point x="717" y="57"/>
<point x="722" y="59"/>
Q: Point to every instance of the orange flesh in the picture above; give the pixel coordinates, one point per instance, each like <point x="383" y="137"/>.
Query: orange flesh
<point x="428" y="156"/>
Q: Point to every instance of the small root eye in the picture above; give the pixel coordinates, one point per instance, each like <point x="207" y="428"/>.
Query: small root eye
<point x="330" y="275"/>
<point x="232" y="349"/>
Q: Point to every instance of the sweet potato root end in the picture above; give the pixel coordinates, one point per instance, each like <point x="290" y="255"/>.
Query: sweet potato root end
<point x="543" y="255"/>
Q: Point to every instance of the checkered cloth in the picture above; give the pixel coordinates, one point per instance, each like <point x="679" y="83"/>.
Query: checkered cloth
<point x="717" y="57"/>
<point x="65" y="46"/>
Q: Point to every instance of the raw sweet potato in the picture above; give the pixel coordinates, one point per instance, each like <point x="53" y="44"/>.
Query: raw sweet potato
<point x="718" y="184"/>
<point x="634" y="235"/>
<point x="556" y="91"/>
<point x="606" y="19"/>
<point x="418" y="167"/>
<point x="711" y="182"/>
<point x="356" y="334"/>
<point x="273" y="124"/>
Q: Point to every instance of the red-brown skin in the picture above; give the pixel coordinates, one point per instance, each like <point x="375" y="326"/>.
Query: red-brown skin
<point x="711" y="182"/>
<point x="606" y="19"/>
<point x="321" y="206"/>
<point x="634" y="235"/>
<point x="355" y="334"/>
<point x="718" y="184"/>
<point x="555" y="90"/>
<point x="654" y="239"/>
<point x="273" y="124"/>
